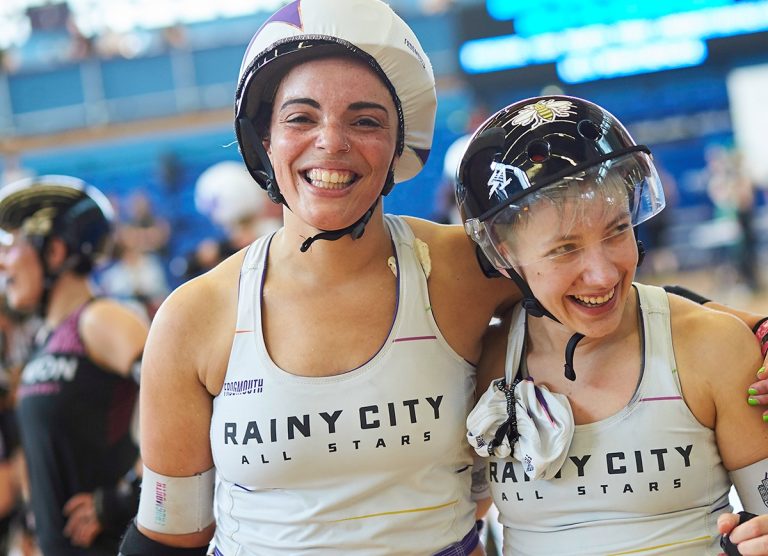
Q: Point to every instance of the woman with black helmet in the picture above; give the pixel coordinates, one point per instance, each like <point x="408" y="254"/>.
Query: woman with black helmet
<point x="614" y="422"/>
<point x="76" y="396"/>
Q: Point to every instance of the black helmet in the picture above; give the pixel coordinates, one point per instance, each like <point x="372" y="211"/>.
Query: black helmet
<point x="545" y="148"/>
<point x="59" y="206"/>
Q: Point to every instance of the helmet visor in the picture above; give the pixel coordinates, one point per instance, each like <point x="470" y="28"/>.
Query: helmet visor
<point x="559" y="221"/>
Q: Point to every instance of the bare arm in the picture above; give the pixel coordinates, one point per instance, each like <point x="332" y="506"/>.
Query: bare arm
<point x="113" y="334"/>
<point x="178" y="358"/>
<point x="463" y="299"/>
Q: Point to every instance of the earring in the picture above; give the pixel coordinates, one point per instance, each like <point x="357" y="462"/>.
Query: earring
<point x="346" y="148"/>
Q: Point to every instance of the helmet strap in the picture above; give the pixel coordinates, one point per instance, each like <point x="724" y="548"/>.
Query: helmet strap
<point x="355" y="230"/>
<point x="266" y="176"/>
<point x="640" y="252"/>
<point x="534" y="308"/>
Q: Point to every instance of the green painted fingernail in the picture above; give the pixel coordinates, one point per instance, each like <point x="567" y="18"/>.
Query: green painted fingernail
<point x="765" y="418"/>
<point x="752" y="392"/>
<point x="752" y="401"/>
<point x="760" y="371"/>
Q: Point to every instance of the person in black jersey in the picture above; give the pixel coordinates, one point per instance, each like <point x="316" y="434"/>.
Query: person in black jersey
<point x="76" y="396"/>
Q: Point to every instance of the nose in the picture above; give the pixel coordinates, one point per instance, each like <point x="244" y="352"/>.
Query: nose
<point x="332" y="138"/>
<point x="599" y="268"/>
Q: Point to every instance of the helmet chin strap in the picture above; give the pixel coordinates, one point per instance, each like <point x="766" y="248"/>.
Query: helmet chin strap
<point x="534" y="308"/>
<point x="355" y="230"/>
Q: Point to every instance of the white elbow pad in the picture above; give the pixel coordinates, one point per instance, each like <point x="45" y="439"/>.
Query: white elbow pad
<point x="751" y="484"/>
<point x="176" y="505"/>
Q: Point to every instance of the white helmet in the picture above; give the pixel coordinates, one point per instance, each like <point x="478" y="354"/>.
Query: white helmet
<point x="307" y="29"/>
<point x="226" y="194"/>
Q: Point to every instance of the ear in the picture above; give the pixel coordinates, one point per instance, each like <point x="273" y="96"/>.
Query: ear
<point x="55" y="253"/>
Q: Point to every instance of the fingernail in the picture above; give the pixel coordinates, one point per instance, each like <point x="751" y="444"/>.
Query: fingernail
<point x="752" y="401"/>
<point x="765" y="418"/>
<point x="752" y="392"/>
<point x="760" y="371"/>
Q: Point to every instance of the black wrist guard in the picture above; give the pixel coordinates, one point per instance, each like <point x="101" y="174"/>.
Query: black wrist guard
<point x="136" y="543"/>
<point x="117" y="505"/>
<point x="686" y="293"/>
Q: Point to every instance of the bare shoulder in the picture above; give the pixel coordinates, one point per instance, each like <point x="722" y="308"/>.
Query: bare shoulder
<point x="463" y="299"/>
<point x="717" y="357"/>
<point x="707" y="338"/>
<point x="454" y="259"/>
<point x="183" y="367"/>
<point x="197" y="320"/>
<point x="113" y="334"/>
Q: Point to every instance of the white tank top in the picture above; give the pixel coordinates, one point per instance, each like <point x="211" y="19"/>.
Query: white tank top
<point x="647" y="480"/>
<point x="370" y="462"/>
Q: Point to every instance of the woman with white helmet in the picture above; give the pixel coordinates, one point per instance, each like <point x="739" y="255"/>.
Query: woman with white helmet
<point x="317" y="374"/>
<point x="615" y="422"/>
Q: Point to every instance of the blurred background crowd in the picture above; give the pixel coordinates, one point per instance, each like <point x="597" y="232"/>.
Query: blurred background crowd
<point x="135" y="97"/>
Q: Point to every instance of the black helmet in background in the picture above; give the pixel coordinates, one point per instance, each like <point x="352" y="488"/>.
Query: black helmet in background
<point x="50" y="206"/>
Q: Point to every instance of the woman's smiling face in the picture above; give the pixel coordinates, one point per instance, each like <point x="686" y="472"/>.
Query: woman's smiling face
<point x="579" y="262"/>
<point x="332" y="140"/>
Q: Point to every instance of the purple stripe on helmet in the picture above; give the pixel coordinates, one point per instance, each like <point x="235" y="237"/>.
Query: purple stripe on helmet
<point x="290" y="14"/>
<point x="423" y="154"/>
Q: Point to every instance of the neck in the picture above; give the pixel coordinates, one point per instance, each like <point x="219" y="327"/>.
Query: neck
<point x="332" y="258"/>
<point x="68" y="293"/>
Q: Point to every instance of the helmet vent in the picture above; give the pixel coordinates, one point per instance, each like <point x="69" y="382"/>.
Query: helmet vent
<point x="538" y="151"/>
<point x="589" y="130"/>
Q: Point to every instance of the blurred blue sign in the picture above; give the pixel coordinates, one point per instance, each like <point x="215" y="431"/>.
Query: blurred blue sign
<point x="597" y="39"/>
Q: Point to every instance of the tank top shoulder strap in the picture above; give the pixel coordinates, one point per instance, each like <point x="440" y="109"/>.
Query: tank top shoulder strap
<point x="660" y="367"/>
<point x="252" y="274"/>
<point x="515" y="344"/>
<point x="414" y="314"/>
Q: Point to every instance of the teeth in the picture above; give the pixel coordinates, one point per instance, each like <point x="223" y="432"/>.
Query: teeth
<point x="599" y="300"/>
<point x="329" y="179"/>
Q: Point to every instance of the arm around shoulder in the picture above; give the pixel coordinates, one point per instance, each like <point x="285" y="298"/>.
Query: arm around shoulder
<point x="716" y="355"/>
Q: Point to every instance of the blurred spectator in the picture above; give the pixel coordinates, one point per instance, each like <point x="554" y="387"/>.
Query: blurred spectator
<point x="138" y="273"/>
<point x="660" y="258"/>
<point x="17" y="332"/>
<point x="227" y="195"/>
<point x="445" y="203"/>
<point x="136" y="276"/>
<point x="733" y="194"/>
<point x="143" y="230"/>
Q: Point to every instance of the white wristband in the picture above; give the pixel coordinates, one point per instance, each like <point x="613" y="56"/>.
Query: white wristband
<point x="176" y="505"/>
<point x="751" y="484"/>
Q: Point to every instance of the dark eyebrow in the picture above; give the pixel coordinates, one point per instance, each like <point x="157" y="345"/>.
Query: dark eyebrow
<point x="360" y="105"/>
<point x="363" y="105"/>
<point x="313" y="103"/>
